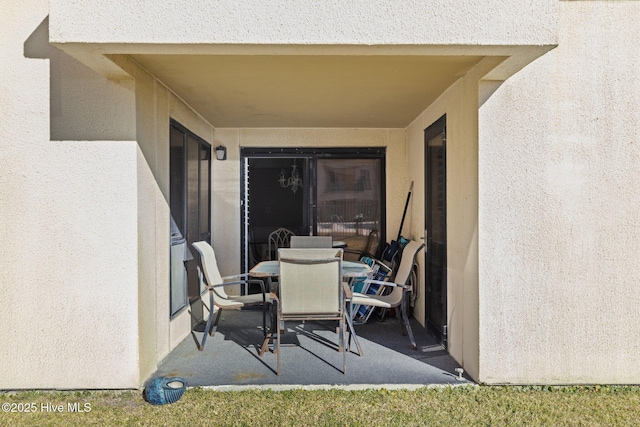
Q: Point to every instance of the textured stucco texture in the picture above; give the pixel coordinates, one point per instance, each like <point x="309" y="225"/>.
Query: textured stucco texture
<point x="306" y="22"/>
<point x="541" y="195"/>
<point x="558" y="213"/>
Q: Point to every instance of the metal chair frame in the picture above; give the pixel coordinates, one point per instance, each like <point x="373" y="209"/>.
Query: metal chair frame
<point x="400" y="285"/>
<point x="288" y="310"/>
<point x="210" y="278"/>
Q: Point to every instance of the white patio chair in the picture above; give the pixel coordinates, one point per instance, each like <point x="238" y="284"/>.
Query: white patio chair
<point x="311" y="288"/>
<point x="210" y="277"/>
<point x="401" y="286"/>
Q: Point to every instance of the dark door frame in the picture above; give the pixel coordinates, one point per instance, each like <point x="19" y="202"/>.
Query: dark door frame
<point x="192" y="225"/>
<point x="436" y="257"/>
<point x="311" y="154"/>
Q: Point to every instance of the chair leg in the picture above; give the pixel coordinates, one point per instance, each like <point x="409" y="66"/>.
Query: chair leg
<point x="341" y="338"/>
<point x="406" y="322"/>
<point x="207" y="328"/>
<point x="399" y="316"/>
<point x="267" y="336"/>
<point x="352" y="332"/>
<point x="264" y="319"/>
<point x="279" y="332"/>
<point x="265" y="344"/>
<point x="214" y="328"/>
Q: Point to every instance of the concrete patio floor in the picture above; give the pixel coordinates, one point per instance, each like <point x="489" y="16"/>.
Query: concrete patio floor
<point x="230" y="358"/>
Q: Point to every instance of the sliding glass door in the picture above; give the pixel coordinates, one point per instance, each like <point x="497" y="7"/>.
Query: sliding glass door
<point x="332" y="192"/>
<point x="190" y="201"/>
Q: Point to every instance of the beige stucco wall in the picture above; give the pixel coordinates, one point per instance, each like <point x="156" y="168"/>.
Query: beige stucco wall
<point x="85" y="259"/>
<point x="558" y="208"/>
<point x="460" y="104"/>
<point x="542" y="283"/>
<point x="306" y="22"/>
<point x="67" y="218"/>
<point x="357" y="27"/>
<point x="155" y="105"/>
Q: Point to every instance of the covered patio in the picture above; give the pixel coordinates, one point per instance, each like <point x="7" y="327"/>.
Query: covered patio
<point x="527" y="169"/>
<point x="363" y="76"/>
<point x="230" y="358"/>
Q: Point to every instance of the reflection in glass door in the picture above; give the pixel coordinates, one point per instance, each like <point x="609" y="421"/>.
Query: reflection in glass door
<point x="436" y="229"/>
<point x="349" y="196"/>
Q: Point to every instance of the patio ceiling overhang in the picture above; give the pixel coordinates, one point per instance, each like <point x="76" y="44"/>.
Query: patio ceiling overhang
<point x="263" y="64"/>
<point x="308" y="90"/>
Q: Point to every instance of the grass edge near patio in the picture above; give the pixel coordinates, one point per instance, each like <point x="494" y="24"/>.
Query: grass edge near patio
<point x="460" y="405"/>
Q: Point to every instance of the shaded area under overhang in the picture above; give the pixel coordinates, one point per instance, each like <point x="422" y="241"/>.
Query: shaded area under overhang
<point x="307" y="90"/>
<point x="305" y="86"/>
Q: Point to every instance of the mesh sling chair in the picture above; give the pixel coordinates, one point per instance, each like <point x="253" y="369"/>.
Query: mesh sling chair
<point x="311" y="288"/>
<point x="210" y="276"/>
<point x="401" y="286"/>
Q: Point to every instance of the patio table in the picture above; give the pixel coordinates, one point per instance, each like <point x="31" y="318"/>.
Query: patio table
<point x="350" y="269"/>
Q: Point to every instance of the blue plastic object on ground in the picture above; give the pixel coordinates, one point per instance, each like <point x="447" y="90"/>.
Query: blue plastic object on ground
<point x="162" y="390"/>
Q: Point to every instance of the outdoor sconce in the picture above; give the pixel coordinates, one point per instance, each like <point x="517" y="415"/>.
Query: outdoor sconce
<point x="221" y="152"/>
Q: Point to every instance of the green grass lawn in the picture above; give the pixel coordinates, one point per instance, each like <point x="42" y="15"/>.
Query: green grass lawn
<point x="445" y="406"/>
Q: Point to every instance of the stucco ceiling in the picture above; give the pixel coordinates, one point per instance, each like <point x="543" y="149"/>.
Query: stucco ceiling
<point x="308" y="91"/>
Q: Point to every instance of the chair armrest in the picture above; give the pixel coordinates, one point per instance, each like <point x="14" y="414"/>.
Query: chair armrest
<point x="239" y="282"/>
<point x="236" y="276"/>
<point x="222" y="285"/>
<point x="234" y="283"/>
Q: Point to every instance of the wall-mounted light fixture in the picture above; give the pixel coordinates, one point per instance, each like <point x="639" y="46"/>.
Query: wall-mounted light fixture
<point x="221" y="152"/>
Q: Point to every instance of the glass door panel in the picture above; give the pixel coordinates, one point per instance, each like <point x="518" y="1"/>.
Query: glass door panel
<point x="190" y="201"/>
<point x="278" y="198"/>
<point x="349" y="195"/>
